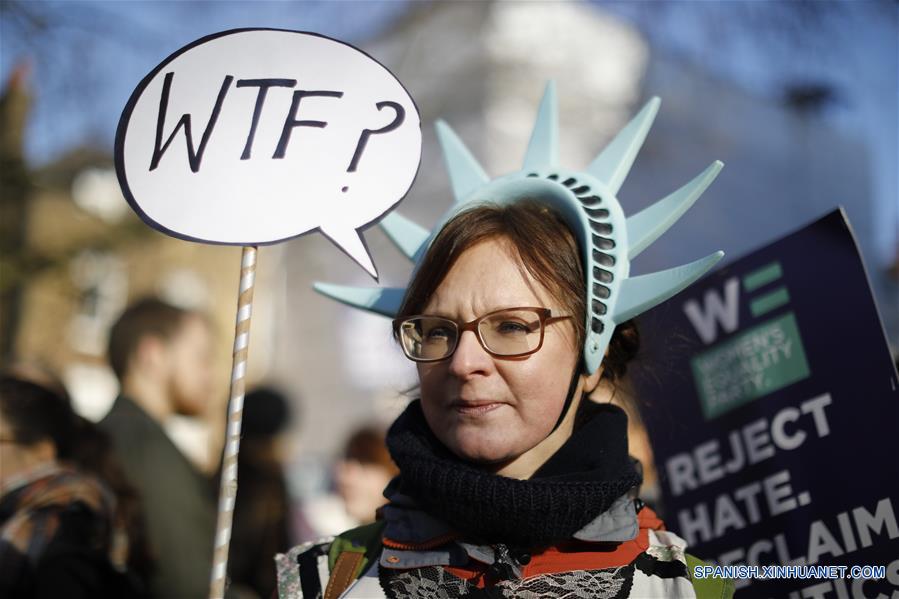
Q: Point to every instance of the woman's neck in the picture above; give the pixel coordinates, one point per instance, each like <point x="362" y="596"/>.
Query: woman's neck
<point x="525" y="465"/>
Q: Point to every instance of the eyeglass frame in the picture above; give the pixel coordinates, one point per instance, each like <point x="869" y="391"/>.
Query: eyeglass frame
<point x="544" y="314"/>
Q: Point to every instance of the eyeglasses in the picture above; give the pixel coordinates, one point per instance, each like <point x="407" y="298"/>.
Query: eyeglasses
<point x="507" y="333"/>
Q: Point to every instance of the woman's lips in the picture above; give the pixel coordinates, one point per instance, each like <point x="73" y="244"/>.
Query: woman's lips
<point x="474" y="408"/>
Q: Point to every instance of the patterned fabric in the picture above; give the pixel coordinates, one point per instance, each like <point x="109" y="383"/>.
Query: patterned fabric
<point x="287" y="570"/>
<point x="652" y="564"/>
<point x="436" y="583"/>
<point x="34" y="516"/>
<point x="30" y="515"/>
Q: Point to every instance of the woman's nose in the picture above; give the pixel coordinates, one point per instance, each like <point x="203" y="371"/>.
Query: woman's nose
<point x="469" y="357"/>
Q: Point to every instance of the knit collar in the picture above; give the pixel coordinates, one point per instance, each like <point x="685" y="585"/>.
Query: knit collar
<point x="577" y="484"/>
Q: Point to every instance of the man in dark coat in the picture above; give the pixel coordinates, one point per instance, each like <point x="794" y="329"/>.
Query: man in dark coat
<point x="162" y="357"/>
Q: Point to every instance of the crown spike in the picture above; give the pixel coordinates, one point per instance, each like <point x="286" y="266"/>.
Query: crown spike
<point x="385" y="301"/>
<point x="639" y="294"/>
<point x="650" y="223"/>
<point x="615" y="161"/>
<point x="405" y="234"/>
<point x="465" y="173"/>
<point x="543" y="149"/>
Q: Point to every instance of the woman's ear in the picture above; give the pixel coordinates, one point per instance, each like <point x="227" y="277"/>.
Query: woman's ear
<point x="591" y="381"/>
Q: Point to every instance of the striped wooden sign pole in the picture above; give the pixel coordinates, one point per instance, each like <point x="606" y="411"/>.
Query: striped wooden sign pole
<point x="228" y="485"/>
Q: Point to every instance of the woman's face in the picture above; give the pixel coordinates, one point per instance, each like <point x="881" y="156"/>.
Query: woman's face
<point x="489" y="410"/>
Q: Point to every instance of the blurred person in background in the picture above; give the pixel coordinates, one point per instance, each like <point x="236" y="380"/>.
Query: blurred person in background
<point x="94" y="453"/>
<point x="360" y="474"/>
<point x="63" y="532"/>
<point x="363" y="473"/>
<point x="262" y="507"/>
<point x="162" y="356"/>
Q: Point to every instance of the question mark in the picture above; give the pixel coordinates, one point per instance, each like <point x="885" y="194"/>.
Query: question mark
<point x="366" y="133"/>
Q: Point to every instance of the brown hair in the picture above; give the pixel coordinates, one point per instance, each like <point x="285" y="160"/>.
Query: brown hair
<point x="547" y="250"/>
<point x="34" y="413"/>
<point x="366" y="446"/>
<point x="146" y="317"/>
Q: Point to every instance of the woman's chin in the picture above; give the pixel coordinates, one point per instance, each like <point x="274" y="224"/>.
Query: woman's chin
<point x="481" y="451"/>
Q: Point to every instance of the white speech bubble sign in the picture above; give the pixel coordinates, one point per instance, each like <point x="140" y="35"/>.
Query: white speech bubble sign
<point x="254" y="136"/>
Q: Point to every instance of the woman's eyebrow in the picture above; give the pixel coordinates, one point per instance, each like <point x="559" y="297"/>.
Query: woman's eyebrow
<point x="485" y="311"/>
<point x="439" y="314"/>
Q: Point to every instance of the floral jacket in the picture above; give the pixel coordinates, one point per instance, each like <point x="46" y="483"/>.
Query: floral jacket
<point x="625" y="552"/>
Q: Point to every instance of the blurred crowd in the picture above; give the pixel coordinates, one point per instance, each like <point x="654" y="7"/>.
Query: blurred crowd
<point x="117" y="509"/>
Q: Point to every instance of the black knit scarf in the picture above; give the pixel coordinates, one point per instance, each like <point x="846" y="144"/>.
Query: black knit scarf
<point x="570" y="490"/>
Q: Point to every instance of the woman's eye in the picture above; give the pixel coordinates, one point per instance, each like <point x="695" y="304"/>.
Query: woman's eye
<point x="437" y="334"/>
<point x="512" y="328"/>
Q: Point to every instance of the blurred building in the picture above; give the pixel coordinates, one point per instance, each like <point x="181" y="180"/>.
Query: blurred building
<point x="90" y="256"/>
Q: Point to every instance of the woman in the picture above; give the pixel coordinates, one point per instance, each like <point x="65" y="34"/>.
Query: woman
<point x="362" y="473"/>
<point x="512" y="483"/>
<point x="62" y="531"/>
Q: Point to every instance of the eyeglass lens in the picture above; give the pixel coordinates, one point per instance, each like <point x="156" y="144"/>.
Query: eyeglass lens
<point x="506" y="333"/>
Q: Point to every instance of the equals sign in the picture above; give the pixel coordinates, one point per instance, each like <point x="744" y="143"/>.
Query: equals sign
<point x="770" y="300"/>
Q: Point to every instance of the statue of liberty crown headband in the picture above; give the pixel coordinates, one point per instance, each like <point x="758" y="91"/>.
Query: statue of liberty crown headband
<point x="586" y="201"/>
